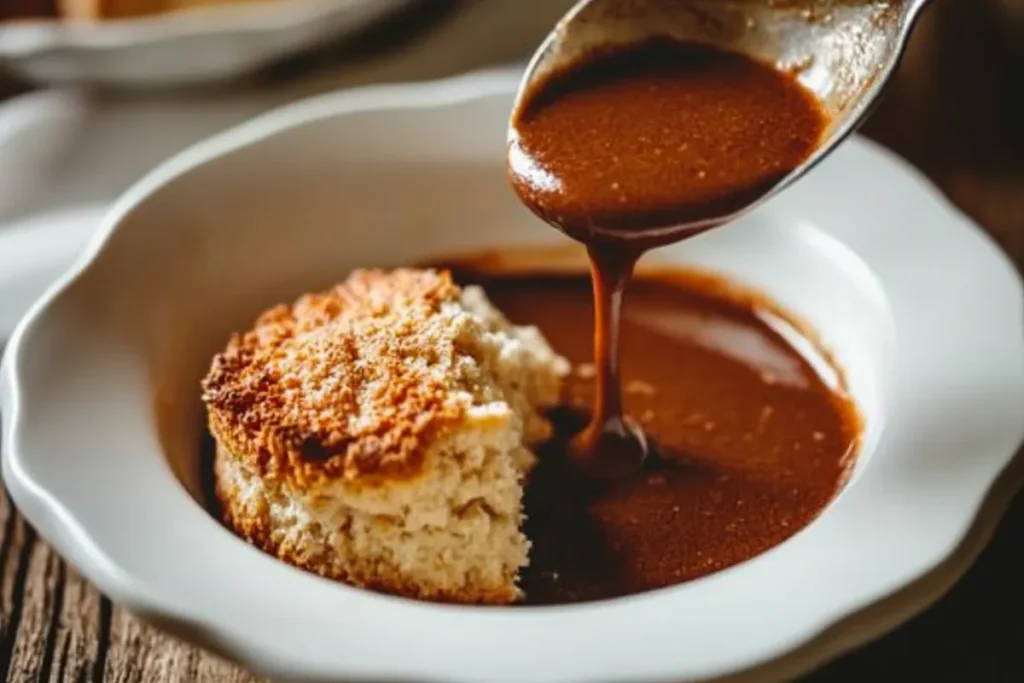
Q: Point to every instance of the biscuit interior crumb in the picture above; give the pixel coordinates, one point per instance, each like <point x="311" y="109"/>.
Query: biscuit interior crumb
<point x="379" y="433"/>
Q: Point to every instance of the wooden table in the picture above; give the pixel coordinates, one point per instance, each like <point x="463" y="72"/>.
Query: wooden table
<point x="956" y="111"/>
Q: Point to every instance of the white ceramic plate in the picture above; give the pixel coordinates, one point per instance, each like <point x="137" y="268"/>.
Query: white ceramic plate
<point x="100" y="388"/>
<point x="187" y="47"/>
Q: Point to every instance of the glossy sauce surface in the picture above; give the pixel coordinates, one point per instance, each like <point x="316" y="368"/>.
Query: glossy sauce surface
<point x="750" y="441"/>
<point x="659" y="134"/>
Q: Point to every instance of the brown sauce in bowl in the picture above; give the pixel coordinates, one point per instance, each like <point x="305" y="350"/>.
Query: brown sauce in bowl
<point x="751" y="442"/>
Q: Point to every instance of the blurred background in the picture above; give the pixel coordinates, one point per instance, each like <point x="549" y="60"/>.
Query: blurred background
<point x="955" y="108"/>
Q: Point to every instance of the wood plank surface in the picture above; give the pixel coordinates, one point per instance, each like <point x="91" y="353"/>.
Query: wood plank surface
<point x="956" y="110"/>
<point x="56" y="628"/>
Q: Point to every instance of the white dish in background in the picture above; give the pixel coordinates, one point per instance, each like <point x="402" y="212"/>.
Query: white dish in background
<point x="186" y="47"/>
<point x="100" y="391"/>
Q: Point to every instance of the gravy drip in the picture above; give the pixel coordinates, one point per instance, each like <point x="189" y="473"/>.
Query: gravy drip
<point x="640" y="146"/>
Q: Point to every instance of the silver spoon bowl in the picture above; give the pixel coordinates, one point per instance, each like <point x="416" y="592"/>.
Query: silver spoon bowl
<point x="844" y="51"/>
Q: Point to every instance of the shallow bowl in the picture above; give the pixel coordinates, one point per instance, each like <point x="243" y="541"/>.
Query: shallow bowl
<point x="100" y="394"/>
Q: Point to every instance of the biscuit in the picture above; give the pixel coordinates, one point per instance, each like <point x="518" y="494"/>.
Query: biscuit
<point x="379" y="434"/>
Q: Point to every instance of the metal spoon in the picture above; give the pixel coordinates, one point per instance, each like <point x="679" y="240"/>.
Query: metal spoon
<point x="844" y="51"/>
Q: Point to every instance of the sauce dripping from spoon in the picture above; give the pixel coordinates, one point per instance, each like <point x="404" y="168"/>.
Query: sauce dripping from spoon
<point x="636" y="147"/>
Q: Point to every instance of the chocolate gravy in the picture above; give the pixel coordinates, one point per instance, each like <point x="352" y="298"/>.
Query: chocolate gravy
<point x="752" y="443"/>
<point x="639" y="146"/>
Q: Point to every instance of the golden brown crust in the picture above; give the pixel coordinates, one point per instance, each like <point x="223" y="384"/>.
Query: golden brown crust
<point x="340" y="384"/>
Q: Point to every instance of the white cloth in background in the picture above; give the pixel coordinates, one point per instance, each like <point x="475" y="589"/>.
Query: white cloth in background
<point x="65" y="155"/>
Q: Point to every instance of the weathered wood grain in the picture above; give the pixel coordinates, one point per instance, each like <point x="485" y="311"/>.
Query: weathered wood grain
<point x="56" y="628"/>
<point x="81" y="629"/>
<point x="15" y="549"/>
<point x="50" y="619"/>
<point x="42" y="596"/>
<point x="140" y="654"/>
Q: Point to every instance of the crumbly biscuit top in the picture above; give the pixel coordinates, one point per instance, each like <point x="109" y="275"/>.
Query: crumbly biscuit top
<point x="350" y="382"/>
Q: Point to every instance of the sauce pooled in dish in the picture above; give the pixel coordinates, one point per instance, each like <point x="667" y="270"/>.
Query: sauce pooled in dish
<point x="751" y="430"/>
